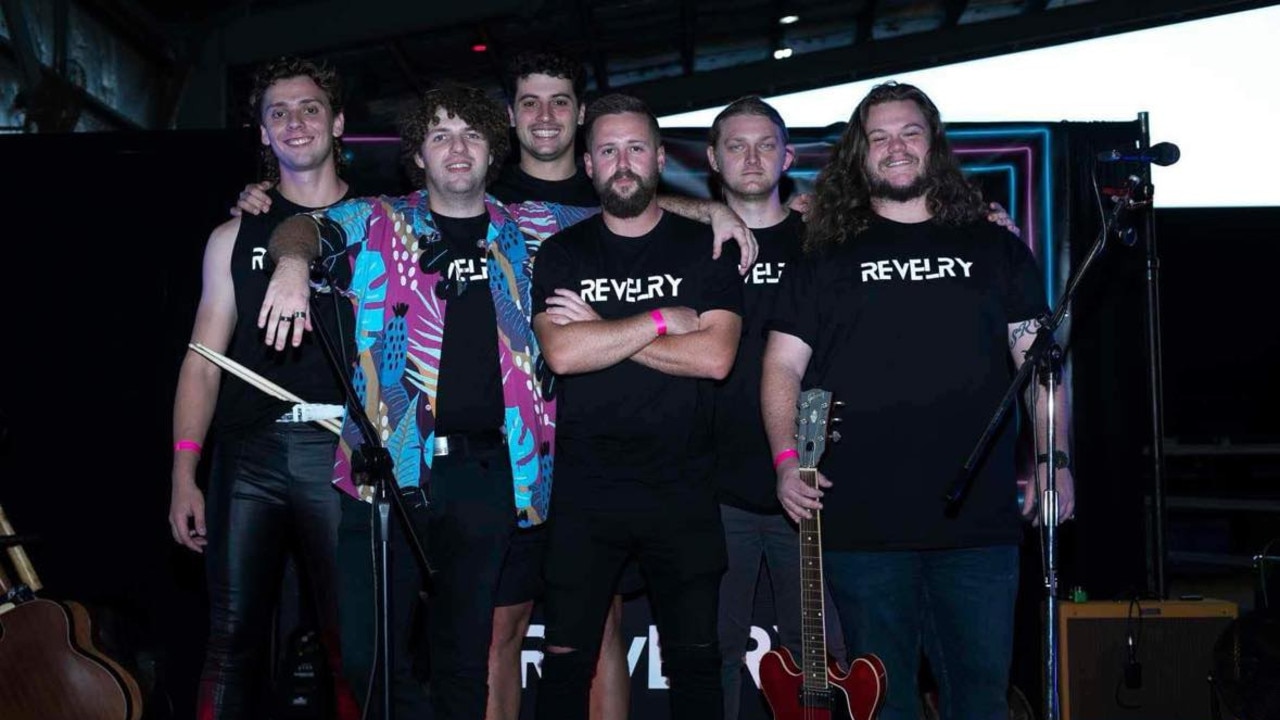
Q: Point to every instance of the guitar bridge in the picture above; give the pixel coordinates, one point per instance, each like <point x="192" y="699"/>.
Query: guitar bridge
<point x="812" y="698"/>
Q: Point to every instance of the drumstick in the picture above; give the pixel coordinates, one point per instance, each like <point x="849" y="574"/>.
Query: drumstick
<point x="332" y="424"/>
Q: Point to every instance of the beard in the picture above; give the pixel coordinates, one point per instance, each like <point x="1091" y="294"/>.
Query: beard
<point x="627" y="206"/>
<point x="882" y="189"/>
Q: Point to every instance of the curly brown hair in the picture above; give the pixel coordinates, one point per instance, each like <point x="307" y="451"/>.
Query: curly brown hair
<point x="284" y="68"/>
<point x="457" y="101"/>
<point x="841" y="199"/>
<point x="549" y="62"/>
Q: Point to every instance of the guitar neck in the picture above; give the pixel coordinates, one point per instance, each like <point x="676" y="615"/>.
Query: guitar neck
<point x="18" y="556"/>
<point x="812" y="626"/>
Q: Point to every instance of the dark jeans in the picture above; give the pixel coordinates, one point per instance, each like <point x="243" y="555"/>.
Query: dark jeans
<point x="269" y="493"/>
<point x="467" y="528"/>
<point x="679" y="543"/>
<point x="955" y="604"/>
<point x="749" y="538"/>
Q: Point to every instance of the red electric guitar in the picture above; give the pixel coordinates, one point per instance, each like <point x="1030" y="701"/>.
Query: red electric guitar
<point x="817" y="689"/>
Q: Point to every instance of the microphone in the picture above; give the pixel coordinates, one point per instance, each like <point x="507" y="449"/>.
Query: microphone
<point x="1164" y="153"/>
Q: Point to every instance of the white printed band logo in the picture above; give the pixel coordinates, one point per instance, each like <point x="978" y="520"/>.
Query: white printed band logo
<point x="256" y="262"/>
<point x="468" y="270"/>
<point x="915" y="269"/>
<point x="631" y="289"/>
<point x="764" y="273"/>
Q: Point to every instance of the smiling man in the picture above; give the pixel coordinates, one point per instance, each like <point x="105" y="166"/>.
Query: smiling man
<point x="445" y="364"/>
<point x="269" y="483"/>
<point x="920" y="360"/>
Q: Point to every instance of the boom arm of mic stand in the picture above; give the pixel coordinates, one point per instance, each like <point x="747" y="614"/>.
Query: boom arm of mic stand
<point x="1043" y="342"/>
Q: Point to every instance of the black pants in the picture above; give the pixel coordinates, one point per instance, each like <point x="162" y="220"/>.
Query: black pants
<point x="677" y="538"/>
<point x="468" y="526"/>
<point x="269" y="493"/>
<point x="357" y="608"/>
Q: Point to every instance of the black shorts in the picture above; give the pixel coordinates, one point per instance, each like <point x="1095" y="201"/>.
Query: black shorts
<point x="631" y="583"/>
<point x="521" y="578"/>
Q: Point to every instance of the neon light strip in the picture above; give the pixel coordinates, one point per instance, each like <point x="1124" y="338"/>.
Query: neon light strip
<point x="1029" y="163"/>
<point x="1011" y="171"/>
<point x="1046" y="137"/>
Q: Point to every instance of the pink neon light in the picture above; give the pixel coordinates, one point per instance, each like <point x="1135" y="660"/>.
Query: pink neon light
<point x="1028" y="152"/>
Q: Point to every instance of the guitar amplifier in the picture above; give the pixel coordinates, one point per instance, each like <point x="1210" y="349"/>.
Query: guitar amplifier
<point x="1144" y="660"/>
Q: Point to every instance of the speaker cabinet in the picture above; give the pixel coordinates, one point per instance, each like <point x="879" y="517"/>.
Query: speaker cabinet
<point x="1143" y="660"/>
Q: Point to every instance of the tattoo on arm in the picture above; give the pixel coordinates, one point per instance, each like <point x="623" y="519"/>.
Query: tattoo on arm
<point x="1022" y="329"/>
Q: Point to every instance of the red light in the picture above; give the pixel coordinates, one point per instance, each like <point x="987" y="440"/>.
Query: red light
<point x="479" y="47"/>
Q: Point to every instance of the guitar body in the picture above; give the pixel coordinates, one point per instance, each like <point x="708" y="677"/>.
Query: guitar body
<point x="855" y="695"/>
<point x="49" y="669"/>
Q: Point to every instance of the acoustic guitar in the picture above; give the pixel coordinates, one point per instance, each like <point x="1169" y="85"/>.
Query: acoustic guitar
<point x="49" y="667"/>
<point x="817" y="688"/>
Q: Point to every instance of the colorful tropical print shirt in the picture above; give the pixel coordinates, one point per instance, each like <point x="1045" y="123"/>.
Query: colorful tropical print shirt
<point x="400" y="328"/>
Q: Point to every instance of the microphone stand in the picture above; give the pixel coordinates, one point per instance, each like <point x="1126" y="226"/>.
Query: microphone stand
<point x="1044" y="358"/>
<point x="372" y="459"/>
<point x="1156" y="579"/>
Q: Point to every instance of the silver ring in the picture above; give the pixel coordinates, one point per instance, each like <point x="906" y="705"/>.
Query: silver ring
<point x="300" y="314"/>
<point x="283" y="319"/>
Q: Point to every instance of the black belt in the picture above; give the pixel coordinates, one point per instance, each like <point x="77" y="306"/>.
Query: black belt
<point x="479" y="442"/>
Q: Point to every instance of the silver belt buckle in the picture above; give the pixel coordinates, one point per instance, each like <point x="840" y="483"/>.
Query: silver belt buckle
<point x="442" y="445"/>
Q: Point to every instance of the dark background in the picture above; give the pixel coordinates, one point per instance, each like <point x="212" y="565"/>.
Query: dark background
<point x="106" y="235"/>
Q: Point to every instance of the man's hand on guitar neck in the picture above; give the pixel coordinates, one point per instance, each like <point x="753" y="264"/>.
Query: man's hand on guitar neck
<point x="798" y="499"/>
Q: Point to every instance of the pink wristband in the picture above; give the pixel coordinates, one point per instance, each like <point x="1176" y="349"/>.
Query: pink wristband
<point x="784" y="456"/>
<point x="659" y="322"/>
<point x="187" y="445"/>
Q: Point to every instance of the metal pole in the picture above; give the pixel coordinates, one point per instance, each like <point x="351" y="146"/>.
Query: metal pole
<point x="1158" y="555"/>
<point x="1049" y="522"/>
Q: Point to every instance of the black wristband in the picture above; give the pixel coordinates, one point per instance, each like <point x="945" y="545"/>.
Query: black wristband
<point x="1061" y="460"/>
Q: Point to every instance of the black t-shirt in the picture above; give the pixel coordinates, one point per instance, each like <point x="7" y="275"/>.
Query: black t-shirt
<point x="744" y="469"/>
<point x="908" y="324"/>
<point x="628" y="427"/>
<point x="304" y="370"/>
<point x="516" y="186"/>
<point x="469" y="397"/>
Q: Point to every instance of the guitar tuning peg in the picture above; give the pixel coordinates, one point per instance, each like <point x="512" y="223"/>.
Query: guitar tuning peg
<point x="835" y="436"/>
<point x="837" y="404"/>
<point x="836" y="420"/>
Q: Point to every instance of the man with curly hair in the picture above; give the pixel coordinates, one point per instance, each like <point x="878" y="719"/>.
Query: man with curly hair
<point x="269" y="488"/>
<point x="446" y="365"/>
<point x="913" y="311"/>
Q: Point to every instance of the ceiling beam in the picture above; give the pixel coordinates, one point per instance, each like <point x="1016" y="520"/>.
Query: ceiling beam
<point x="599" y="63"/>
<point x="876" y="58"/>
<point x="245" y="38"/>
<point x="253" y="37"/>
<point x="688" y="41"/>
<point x="952" y="11"/>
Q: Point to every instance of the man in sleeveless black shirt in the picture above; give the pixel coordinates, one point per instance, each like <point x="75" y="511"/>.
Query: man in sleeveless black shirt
<point x="913" y="311"/>
<point x="634" y="318"/>
<point x="749" y="152"/>
<point x="270" y="485"/>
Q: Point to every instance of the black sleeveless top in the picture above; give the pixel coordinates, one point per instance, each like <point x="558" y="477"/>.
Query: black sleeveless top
<point x="305" y="370"/>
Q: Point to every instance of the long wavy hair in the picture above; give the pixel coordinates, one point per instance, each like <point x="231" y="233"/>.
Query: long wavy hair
<point x="841" y="197"/>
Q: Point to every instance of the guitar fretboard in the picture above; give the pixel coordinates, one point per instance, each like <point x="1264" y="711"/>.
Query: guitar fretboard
<point x="812" y="627"/>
